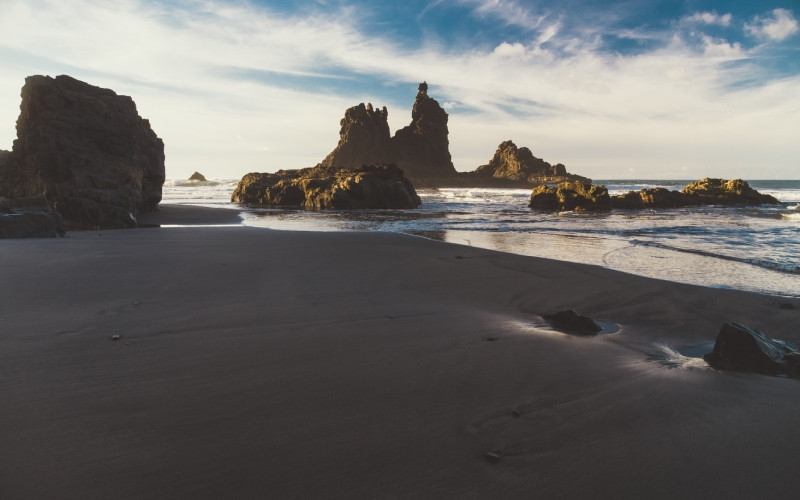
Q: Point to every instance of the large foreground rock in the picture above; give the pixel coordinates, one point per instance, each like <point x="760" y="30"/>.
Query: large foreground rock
<point x="740" y="348"/>
<point x="570" y="196"/>
<point x="706" y="191"/>
<point x="29" y="218"/>
<point x="368" y="186"/>
<point x="87" y="150"/>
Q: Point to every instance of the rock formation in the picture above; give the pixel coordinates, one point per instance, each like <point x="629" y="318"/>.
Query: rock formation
<point x="570" y="196"/>
<point x="582" y="195"/>
<point x="703" y="192"/>
<point x="86" y="150"/>
<point x="519" y="164"/>
<point x="570" y="321"/>
<point x="29" y="218"/>
<point x="197" y="176"/>
<point x="422" y="150"/>
<point x="740" y="348"/>
<point x="318" y="188"/>
<point x="364" y="138"/>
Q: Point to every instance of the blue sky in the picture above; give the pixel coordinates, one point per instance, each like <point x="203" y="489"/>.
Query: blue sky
<point x="622" y="89"/>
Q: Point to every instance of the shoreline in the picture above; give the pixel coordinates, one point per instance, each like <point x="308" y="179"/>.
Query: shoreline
<point x="254" y="362"/>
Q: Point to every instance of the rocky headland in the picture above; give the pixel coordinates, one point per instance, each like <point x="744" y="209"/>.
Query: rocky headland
<point x="87" y="151"/>
<point x="583" y="196"/>
<point x="323" y="187"/>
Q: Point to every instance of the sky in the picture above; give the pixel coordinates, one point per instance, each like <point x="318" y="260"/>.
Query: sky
<point x="626" y="89"/>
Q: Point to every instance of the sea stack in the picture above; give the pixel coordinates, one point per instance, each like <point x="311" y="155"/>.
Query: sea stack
<point x="420" y="149"/>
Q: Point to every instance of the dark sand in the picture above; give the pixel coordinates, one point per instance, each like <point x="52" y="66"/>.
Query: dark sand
<point x="264" y="364"/>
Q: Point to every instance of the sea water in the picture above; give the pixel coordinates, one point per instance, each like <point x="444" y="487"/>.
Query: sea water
<point x="747" y="248"/>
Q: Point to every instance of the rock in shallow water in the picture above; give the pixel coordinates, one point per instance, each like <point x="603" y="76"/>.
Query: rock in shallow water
<point x="740" y="348"/>
<point x="318" y="188"/>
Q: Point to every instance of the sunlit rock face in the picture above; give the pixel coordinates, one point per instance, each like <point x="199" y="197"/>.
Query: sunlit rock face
<point x="87" y="151"/>
<point x="519" y="164"/>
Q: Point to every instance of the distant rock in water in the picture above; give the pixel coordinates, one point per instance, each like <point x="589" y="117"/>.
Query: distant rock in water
<point x="197" y="176"/>
<point x="520" y="167"/>
<point x="318" y="188"/>
<point x="740" y="348"/>
<point x="363" y="138"/>
<point x="570" y="196"/>
<point x="584" y="196"/>
<point x="422" y="150"/>
<point x="87" y="150"/>
<point x="706" y="191"/>
<point x="29" y="218"/>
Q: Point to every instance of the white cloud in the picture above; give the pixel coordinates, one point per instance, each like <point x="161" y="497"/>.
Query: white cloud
<point x="722" y="49"/>
<point x="779" y="26"/>
<point x="709" y="18"/>
<point x="599" y="113"/>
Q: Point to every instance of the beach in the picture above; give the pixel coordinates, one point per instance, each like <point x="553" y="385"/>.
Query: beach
<point x="255" y="363"/>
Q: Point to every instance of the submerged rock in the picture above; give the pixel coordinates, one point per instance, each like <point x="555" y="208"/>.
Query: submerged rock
<point x="197" y="176"/>
<point x="570" y="196"/>
<point x="740" y="348"/>
<point x="369" y="186"/>
<point x="29" y="218"/>
<point x="570" y="321"/>
<point x="87" y="150"/>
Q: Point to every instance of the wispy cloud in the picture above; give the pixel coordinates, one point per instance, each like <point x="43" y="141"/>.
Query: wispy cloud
<point x="710" y="18"/>
<point x="510" y="12"/>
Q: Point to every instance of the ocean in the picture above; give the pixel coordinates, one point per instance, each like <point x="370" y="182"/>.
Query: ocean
<point x="747" y="248"/>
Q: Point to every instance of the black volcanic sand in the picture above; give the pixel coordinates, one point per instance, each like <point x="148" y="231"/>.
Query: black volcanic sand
<point x="263" y="364"/>
<point x="189" y="215"/>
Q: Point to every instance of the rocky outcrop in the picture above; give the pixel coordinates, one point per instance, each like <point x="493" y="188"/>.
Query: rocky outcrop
<point x="570" y="196"/>
<point x="86" y="150"/>
<point x="740" y="348"/>
<point x="520" y="167"/>
<point x="29" y="218"/>
<point x="582" y="195"/>
<point x="318" y="188"/>
<point x="703" y="192"/>
<point x="422" y="149"/>
<point x="198" y="177"/>
<point x="364" y="138"/>
<point x="570" y="321"/>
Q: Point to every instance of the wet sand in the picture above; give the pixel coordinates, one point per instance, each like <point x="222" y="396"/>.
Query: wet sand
<point x="263" y="364"/>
